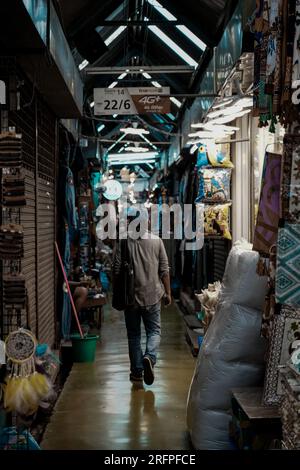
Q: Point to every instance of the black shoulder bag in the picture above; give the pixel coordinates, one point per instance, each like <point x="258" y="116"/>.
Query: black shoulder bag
<point x="123" y="286"/>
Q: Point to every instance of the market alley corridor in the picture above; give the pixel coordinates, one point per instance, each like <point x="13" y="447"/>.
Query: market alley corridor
<point x="100" y="409"/>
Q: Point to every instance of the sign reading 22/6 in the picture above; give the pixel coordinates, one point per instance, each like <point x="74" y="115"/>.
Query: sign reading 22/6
<point x="131" y="100"/>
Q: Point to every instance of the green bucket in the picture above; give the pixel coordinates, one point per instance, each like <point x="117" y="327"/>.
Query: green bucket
<point x="84" y="349"/>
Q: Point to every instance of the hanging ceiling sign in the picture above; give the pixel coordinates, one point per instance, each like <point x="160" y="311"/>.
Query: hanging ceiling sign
<point x="113" y="190"/>
<point x="138" y="100"/>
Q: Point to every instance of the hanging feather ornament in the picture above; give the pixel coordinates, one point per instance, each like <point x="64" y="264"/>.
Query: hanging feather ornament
<point x="24" y="387"/>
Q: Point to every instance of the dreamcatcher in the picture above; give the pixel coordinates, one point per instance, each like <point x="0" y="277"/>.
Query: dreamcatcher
<point x="24" y="387"/>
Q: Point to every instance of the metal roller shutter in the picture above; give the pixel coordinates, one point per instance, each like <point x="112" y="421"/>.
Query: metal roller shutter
<point x="46" y="224"/>
<point x="46" y="260"/>
<point x="29" y="261"/>
<point x="37" y="124"/>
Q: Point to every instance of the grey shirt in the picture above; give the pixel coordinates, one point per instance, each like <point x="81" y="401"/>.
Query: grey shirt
<point x="150" y="263"/>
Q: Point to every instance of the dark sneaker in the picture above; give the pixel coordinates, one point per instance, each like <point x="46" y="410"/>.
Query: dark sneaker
<point x="136" y="378"/>
<point x="148" y="371"/>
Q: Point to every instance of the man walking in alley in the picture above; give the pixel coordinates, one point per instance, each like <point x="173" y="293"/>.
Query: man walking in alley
<point x="151" y="284"/>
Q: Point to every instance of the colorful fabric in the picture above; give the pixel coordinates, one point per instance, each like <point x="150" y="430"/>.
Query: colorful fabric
<point x="217" y="155"/>
<point x="216" y="221"/>
<point x="296" y="53"/>
<point x="290" y="184"/>
<point x="288" y="65"/>
<point x="214" y="185"/>
<point x="269" y="206"/>
<point x="269" y="310"/>
<point x="288" y="265"/>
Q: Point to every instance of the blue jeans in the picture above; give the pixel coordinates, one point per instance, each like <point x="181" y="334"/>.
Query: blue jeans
<point x="151" y="320"/>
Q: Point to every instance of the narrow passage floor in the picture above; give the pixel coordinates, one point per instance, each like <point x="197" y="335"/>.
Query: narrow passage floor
<point x="100" y="409"/>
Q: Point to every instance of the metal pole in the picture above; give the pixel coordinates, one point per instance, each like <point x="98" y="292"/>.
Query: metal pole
<point x="234" y="141"/>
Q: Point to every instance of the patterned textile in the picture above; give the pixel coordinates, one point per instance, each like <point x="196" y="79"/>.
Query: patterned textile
<point x="268" y="213"/>
<point x="288" y="65"/>
<point x="278" y="70"/>
<point x="288" y="265"/>
<point x="290" y="183"/>
<point x="296" y="54"/>
<point x="269" y="310"/>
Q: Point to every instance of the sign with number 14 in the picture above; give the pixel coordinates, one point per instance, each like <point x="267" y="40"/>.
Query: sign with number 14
<point x="136" y="100"/>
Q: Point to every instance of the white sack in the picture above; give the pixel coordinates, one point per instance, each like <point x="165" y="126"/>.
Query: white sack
<point x="231" y="355"/>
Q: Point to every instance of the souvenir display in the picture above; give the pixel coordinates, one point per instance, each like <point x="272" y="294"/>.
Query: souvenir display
<point x="10" y="150"/>
<point x="14" y="290"/>
<point x="276" y="60"/>
<point x="24" y="387"/>
<point x="11" y="241"/>
<point x="216" y="220"/>
<point x="214" y="185"/>
<point x="14" y="191"/>
<point x="266" y="229"/>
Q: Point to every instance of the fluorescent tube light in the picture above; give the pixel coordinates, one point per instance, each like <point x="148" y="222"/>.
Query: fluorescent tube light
<point x="156" y="84"/>
<point x="112" y="85"/>
<point x="146" y="75"/>
<point x="176" y="101"/>
<point x="149" y="142"/>
<point x="186" y="31"/>
<point x="100" y="127"/>
<point x="130" y="162"/>
<point x="134" y="131"/>
<point x="123" y="75"/>
<point x="172" y="45"/>
<point x="114" y="35"/>
<point x="171" y="116"/>
<point x="92" y="104"/>
<point x="163" y="11"/>
<point x="83" y="64"/>
<point x="113" y="156"/>
<point x="192" y="37"/>
<point x="116" y="142"/>
<point x="150" y="166"/>
<point x="137" y="149"/>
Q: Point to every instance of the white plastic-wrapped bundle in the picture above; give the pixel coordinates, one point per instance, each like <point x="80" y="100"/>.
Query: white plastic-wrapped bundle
<point x="232" y="353"/>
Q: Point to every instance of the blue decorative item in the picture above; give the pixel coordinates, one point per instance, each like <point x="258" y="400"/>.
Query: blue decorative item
<point x="202" y="158"/>
<point x="214" y="185"/>
<point x="104" y="281"/>
<point x="41" y="349"/>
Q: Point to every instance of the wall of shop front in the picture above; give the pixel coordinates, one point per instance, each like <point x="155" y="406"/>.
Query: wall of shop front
<point x="37" y="125"/>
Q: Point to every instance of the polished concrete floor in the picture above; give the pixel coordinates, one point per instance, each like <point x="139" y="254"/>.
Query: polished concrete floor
<point x="100" y="409"/>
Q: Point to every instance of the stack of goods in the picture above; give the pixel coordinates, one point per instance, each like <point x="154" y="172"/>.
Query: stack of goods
<point x="14" y="191"/>
<point x="232" y="352"/>
<point x="10" y="150"/>
<point x="214" y="169"/>
<point x="209" y="299"/>
<point x="277" y="54"/>
<point x="11" y="241"/>
<point x="14" y="291"/>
